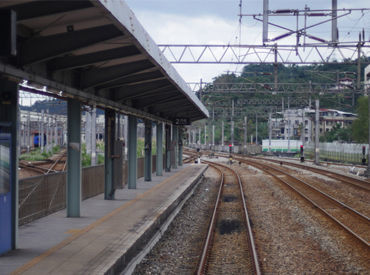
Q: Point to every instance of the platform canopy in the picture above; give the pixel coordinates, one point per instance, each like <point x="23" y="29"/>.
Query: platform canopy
<point x="98" y="52"/>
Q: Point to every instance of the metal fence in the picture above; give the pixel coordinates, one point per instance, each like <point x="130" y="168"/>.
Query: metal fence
<point x="335" y="151"/>
<point x="238" y="149"/>
<point x="42" y="195"/>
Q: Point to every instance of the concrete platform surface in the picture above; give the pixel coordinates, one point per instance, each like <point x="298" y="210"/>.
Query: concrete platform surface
<point x="109" y="233"/>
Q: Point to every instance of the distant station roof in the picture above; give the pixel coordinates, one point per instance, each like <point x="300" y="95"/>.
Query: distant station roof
<point x="98" y="52"/>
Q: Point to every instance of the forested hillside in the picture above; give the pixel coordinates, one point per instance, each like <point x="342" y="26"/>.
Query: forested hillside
<point x="339" y="80"/>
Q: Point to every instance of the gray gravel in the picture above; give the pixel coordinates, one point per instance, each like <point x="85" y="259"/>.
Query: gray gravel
<point x="180" y="247"/>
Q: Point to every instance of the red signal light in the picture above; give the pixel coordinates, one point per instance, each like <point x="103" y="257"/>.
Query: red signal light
<point x="230" y="145"/>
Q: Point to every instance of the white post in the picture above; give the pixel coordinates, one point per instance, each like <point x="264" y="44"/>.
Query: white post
<point x="93" y="136"/>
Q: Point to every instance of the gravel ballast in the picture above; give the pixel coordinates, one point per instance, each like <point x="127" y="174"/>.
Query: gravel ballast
<point x="179" y="249"/>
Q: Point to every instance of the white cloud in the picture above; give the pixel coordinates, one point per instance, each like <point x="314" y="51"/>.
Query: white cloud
<point x="168" y="28"/>
<point x="178" y="29"/>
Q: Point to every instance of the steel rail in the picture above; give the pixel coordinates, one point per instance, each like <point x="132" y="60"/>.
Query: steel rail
<point x="358" y="183"/>
<point x="251" y="245"/>
<point x="51" y="168"/>
<point x="211" y="228"/>
<point x="25" y="165"/>
<point x="339" y="204"/>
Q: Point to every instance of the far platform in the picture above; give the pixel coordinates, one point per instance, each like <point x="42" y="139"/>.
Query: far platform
<point x="108" y="235"/>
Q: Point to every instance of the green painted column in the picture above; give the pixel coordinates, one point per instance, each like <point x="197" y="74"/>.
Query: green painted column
<point x="9" y="127"/>
<point x="109" y="137"/>
<point x="175" y="145"/>
<point x="148" y="151"/>
<point x="168" y="148"/>
<point x="131" y="154"/>
<point x="74" y="158"/>
<point x="180" y="142"/>
<point x="159" y="141"/>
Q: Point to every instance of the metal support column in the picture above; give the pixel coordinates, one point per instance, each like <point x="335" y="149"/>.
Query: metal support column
<point x="205" y="134"/>
<point x="180" y="144"/>
<point x="358" y="80"/>
<point x="28" y="131"/>
<point x="213" y="136"/>
<point x="93" y="136"/>
<point x="303" y="133"/>
<point x="88" y="131"/>
<point x="265" y="21"/>
<point x="48" y="132"/>
<point x="74" y="158"/>
<point x="245" y="134"/>
<point x="368" y="148"/>
<point x="148" y="151"/>
<point x="159" y="141"/>
<point x="213" y="128"/>
<point x="109" y="138"/>
<point x="222" y="133"/>
<point x="168" y="148"/>
<point x="200" y="135"/>
<point x="232" y="124"/>
<point x="334" y="30"/>
<point x="125" y="136"/>
<point x="175" y="145"/>
<point x="270" y="130"/>
<point x="317" y="131"/>
<point x="194" y="137"/>
<point x="42" y="133"/>
<point x="55" y="131"/>
<point x="256" y="129"/>
<point x="9" y="129"/>
<point x="131" y="153"/>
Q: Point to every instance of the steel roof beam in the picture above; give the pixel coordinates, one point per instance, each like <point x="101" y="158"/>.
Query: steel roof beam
<point x="40" y="49"/>
<point x="148" y="93"/>
<point x="133" y="81"/>
<point x="73" y="61"/>
<point x="176" y="109"/>
<point x="99" y="77"/>
<point x="46" y="8"/>
<point x="163" y="101"/>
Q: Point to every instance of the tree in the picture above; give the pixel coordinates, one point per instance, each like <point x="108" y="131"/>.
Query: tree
<point x="337" y="133"/>
<point x="361" y="124"/>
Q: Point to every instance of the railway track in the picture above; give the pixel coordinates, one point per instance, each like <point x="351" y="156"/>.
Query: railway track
<point x="352" y="221"/>
<point x="59" y="164"/>
<point x="229" y="246"/>
<point x="52" y="166"/>
<point x="357" y="183"/>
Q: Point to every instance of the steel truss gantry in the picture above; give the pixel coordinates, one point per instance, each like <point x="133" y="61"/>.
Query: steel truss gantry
<point x="276" y="88"/>
<point x="268" y="54"/>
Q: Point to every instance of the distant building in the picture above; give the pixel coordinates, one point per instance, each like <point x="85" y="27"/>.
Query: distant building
<point x="367" y="79"/>
<point x="330" y="118"/>
<point x="298" y="124"/>
<point x="292" y="123"/>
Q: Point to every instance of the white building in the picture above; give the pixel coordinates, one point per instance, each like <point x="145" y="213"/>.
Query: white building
<point x="298" y="124"/>
<point x="367" y="79"/>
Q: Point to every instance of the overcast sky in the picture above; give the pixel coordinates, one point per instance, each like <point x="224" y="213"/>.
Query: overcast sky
<point x="217" y="22"/>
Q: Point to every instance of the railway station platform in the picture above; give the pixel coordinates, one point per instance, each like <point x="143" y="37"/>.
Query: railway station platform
<point x="109" y="234"/>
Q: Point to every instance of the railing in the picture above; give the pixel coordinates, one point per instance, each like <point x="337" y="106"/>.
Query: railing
<point x="238" y="149"/>
<point x="42" y="195"/>
<point x="335" y="151"/>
